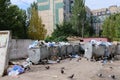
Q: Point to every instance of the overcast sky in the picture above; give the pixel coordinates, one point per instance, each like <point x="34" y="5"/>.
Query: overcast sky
<point x="92" y="4"/>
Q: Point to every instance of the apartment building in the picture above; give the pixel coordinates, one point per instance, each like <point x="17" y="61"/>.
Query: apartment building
<point x="54" y="12"/>
<point x="99" y="15"/>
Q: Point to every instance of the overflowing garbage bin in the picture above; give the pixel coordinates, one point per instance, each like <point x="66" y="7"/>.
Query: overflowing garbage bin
<point x="98" y="50"/>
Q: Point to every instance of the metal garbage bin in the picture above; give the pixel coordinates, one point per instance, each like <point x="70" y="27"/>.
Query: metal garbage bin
<point x="88" y="50"/>
<point x="54" y="52"/>
<point x="37" y="54"/>
<point x="118" y="49"/>
<point x="98" y="51"/>
<point x="63" y="51"/>
<point x="70" y="50"/>
<point x="76" y="49"/>
<point x="94" y="51"/>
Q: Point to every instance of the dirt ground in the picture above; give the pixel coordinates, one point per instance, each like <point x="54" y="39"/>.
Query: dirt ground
<point x="82" y="70"/>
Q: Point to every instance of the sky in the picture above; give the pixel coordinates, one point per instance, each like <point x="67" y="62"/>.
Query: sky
<point x="97" y="4"/>
<point x="23" y="4"/>
<point x="92" y="4"/>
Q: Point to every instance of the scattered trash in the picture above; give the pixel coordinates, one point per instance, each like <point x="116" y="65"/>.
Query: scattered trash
<point x="58" y="61"/>
<point x="52" y="62"/>
<point x="34" y="44"/>
<point x="79" y="59"/>
<point x="15" y="70"/>
<point x="27" y="64"/>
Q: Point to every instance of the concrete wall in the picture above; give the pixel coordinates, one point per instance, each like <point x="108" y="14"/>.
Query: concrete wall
<point x="19" y="48"/>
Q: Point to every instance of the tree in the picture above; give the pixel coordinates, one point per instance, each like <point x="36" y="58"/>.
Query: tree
<point x="29" y="10"/>
<point x="12" y="18"/>
<point x="64" y="29"/>
<point x="88" y="29"/>
<point x="111" y="27"/>
<point x="36" y="29"/>
<point x="61" y="32"/>
<point x="78" y="16"/>
<point x="80" y="22"/>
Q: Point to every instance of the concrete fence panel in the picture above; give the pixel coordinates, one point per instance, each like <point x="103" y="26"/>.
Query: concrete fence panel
<point x="19" y="48"/>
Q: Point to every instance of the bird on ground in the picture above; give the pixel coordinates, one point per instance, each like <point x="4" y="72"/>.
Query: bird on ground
<point x="113" y="77"/>
<point x="71" y="76"/>
<point x="62" y="71"/>
<point x="111" y="67"/>
<point x="100" y="75"/>
<point x="47" y="67"/>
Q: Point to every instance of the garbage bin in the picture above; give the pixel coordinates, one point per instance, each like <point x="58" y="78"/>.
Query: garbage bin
<point x="54" y="52"/>
<point x="76" y="49"/>
<point x="37" y="54"/>
<point x="118" y="49"/>
<point x="70" y="50"/>
<point x="93" y="50"/>
<point x="63" y="51"/>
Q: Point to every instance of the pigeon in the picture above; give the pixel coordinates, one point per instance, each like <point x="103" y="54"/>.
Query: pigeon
<point x="113" y="76"/>
<point x="100" y="75"/>
<point x="111" y="67"/>
<point x="62" y="71"/>
<point x="47" y="67"/>
<point x="71" y="76"/>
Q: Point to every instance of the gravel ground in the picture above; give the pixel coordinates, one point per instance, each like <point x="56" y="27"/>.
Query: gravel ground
<point x="82" y="70"/>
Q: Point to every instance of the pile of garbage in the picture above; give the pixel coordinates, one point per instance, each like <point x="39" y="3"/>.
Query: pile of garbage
<point x="40" y="50"/>
<point x="99" y="50"/>
<point x="17" y="68"/>
<point x="94" y="42"/>
<point x="37" y="43"/>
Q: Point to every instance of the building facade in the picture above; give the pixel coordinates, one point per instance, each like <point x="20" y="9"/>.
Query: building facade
<point x="53" y="12"/>
<point x="99" y="15"/>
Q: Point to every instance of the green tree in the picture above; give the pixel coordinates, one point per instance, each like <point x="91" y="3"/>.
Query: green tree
<point x="61" y="32"/>
<point x="29" y="10"/>
<point x="78" y="16"/>
<point x="64" y="29"/>
<point x="36" y="29"/>
<point x="12" y="18"/>
<point x="111" y="27"/>
<point x="80" y="22"/>
<point x="88" y="31"/>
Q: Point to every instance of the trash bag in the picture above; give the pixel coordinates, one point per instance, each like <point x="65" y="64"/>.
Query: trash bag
<point x="16" y="70"/>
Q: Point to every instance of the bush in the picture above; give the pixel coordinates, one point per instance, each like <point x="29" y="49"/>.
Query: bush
<point x="57" y="39"/>
<point x="49" y="39"/>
